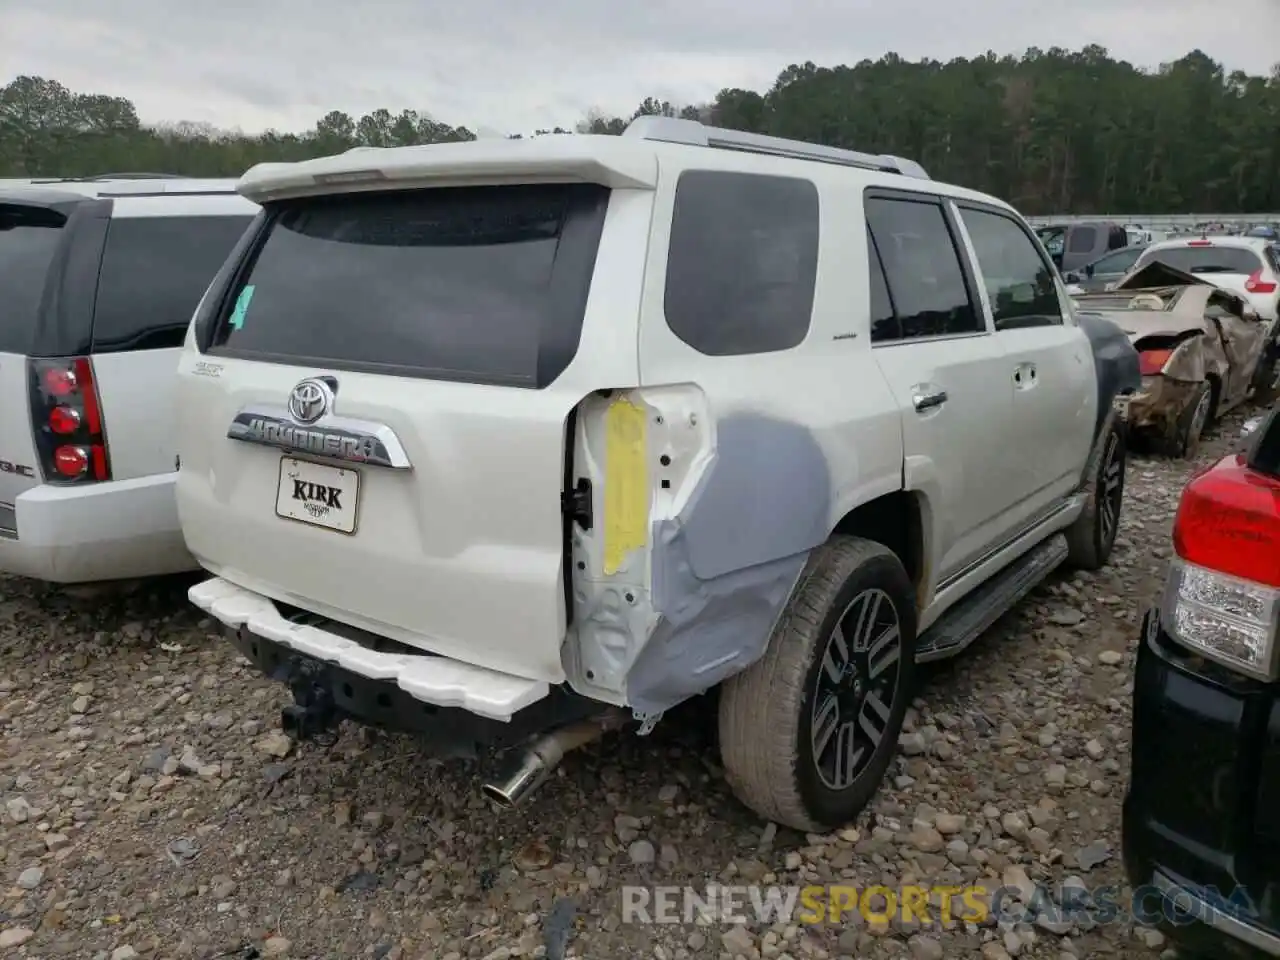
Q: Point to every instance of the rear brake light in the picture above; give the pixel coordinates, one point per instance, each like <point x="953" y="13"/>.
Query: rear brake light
<point x="1255" y="283"/>
<point x="71" y="462"/>
<point x="66" y="415"/>
<point x="64" y="420"/>
<point x="1223" y="595"/>
<point x="1151" y="362"/>
<point x="1199" y="243"/>
<point x="60" y="382"/>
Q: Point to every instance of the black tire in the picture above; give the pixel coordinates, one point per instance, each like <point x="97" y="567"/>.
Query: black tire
<point x="1192" y="422"/>
<point x="772" y="713"/>
<point x="1093" y="534"/>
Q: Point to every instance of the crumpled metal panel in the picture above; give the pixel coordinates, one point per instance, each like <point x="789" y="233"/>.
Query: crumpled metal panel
<point x="1158" y="405"/>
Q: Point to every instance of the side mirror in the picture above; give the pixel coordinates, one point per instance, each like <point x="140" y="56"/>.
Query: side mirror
<point x="1072" y="277"/>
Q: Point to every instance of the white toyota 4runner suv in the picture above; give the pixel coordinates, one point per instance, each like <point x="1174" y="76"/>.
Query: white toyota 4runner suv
<point x="98" y="283"/>
<point x="511" y="442"/>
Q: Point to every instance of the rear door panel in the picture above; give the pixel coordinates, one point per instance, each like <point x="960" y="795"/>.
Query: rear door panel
<point x="460" y="554"/>
<point x="460" y="549"/>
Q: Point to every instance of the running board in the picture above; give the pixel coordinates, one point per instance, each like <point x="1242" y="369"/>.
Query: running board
<point x="968" y="619"/>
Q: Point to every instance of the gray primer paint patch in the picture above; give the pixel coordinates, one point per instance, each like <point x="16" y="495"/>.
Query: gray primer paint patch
<point x="724" y="569"/>
<point x="1115" y="361"/>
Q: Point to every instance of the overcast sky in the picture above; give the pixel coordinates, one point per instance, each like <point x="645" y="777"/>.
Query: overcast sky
<point x="515" y="65"/>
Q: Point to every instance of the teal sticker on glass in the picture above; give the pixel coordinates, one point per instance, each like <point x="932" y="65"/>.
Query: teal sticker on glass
<point x="242" y="307"/>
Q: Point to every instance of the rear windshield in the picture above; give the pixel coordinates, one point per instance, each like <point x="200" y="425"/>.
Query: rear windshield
<point x="154" y="272"/>
<point x="28" y="240"/>
<point x="483" y="284"/>
<point x="1206" y="259"/>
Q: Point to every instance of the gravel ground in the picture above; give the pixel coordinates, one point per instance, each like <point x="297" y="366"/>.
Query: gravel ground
<point x="150" y="808"/>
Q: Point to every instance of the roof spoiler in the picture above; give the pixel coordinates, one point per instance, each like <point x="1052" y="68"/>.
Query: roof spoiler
<point x="99" y="177"/>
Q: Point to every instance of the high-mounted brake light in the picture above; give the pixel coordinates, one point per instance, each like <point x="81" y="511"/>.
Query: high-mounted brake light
<point x="1151" y="362"/>
<point x="1199" y="243"/>
<point x="1255" y="283"/>
<point x="1223" y="595"/>
<point x="67" y="419"/>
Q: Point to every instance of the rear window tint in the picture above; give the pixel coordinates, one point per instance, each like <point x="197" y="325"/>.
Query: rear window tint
<point x="28" y="242"/>
<point x="154" y="272"/>
<point x="482" y="284"/>
<point x="1206" y="259"/>
<point x="742" y="262"/>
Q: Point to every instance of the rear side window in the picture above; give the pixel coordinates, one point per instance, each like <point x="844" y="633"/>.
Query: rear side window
<point x="742" y="262"/>
<point x="884" y="322"/>
<point x="1081" y="240"/>
<point x="1021" y="285"/>
<point x="29" y="239"/>
<point x="922" y="266"/>
<point x="1210" y="259"/>
<point x="482" y="284"/>
<point x="154" y="272"/>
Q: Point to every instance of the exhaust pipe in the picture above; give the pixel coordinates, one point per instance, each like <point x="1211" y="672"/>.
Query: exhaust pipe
<point x="536" y="762"/>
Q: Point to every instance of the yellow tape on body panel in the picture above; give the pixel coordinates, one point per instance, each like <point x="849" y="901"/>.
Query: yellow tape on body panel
<point x="626" y="483"/>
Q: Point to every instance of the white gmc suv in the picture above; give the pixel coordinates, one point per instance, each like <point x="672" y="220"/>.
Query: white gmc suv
<point x="98" y="283"/>
<point x="512" y="442"/>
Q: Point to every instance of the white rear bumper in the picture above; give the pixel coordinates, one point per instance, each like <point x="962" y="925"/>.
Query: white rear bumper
<point x="430" y="679"/>
<point x="105" y="531"/>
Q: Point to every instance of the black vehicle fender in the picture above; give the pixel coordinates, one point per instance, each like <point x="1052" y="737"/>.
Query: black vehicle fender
<point x="1115" y="362"/>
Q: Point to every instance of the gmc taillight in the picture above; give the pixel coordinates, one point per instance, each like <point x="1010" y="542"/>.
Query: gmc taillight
<point x="1223" y="595"/>
<point x="66" y="417"/>
<point x="1255" y="283"/>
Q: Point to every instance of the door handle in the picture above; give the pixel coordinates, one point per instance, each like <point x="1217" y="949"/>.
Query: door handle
<point x="928" y="401"/>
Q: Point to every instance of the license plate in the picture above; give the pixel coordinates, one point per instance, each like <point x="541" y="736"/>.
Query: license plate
<point x="318" y="495"/>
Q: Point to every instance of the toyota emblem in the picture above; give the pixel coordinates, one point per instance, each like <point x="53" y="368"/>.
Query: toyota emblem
<point x="310" y="400"/>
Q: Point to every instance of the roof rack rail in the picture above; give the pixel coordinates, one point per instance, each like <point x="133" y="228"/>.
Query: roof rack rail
<point x="694" y="133"/>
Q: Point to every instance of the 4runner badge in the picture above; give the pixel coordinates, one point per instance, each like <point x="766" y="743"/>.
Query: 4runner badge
<point x="310" y="400"/>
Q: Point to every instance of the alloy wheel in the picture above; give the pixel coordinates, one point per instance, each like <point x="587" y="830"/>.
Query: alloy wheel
<point x="1112" y="488"/>
<point x="855" y="688"/>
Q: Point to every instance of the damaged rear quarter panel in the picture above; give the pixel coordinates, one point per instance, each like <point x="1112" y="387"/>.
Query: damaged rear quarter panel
<point x="746" y="498"/>
<point x="1115" y="362"/>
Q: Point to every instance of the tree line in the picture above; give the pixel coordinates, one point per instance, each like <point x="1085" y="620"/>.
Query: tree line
<point x="1051" y="131"/>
